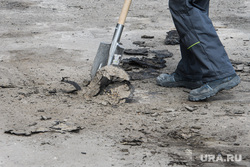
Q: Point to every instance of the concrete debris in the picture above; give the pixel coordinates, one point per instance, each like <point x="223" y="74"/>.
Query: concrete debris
<point x="18" y="132"/>
<point x="246" y="38"/>
<point x="57" y="126"/>
<point x="143" y="52"/>
<point x="63" y="127"/>
<point x="155" y="115"/>
<point x="110" y="86"/>
<point x="139" y="43"/>
<point x="239" y="67"/>
<point x="147" y="36"/>
<point x="104" y="77"/>
<point x="132" y="142"/>
<point x="191" y="109"/>
<point x="168" y="110"/>
<point x="155" y="62"/>
<point x="143" y="74"/>
<point x="44" y="118"/>
<point x="172" y="38"/>
<point x="162" y="53"/>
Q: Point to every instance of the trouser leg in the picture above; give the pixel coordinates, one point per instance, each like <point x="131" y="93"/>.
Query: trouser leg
<point x="203" y="55"/>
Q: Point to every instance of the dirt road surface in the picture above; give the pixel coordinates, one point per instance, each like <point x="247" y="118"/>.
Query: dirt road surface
<point x="46" y="122"/>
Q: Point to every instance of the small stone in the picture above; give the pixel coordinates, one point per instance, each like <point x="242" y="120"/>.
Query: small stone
<point x="44" y="118"/>
<point x="168" y="110"/>
<point x="239" y="112"/>
<point x="155" y="115"/>
<point x="163" y="144"/>
<point x="33" y="124"/>
<point x="45" y="143"/>
<point x="124" y="150"/>
<point x="147" y="37"/>
<point x="246" y="69"/>
<point x="53" y="91"/>
<point x="246" y="39"/>
<point x="139" y="43"/>
<point x="239" y="67"/>
<point x="191" y="109"/>
<point x="148" y="112"/>
<point x="196" y="127"/>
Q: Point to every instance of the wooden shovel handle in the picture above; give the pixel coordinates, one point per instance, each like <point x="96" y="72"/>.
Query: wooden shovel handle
<point x="124" y="12"/>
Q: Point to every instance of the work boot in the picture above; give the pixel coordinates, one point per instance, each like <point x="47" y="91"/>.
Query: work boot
<point x="211" y="88"/>
<point x="175" y="80"/>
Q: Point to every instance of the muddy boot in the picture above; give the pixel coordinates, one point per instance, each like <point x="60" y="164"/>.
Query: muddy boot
<point x="211" y="88"/>
<point x="175" y="80"/>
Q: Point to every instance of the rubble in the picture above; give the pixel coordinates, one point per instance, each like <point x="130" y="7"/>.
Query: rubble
<point x="139" y="43"/>
<point x="147" y="36"/>
<point x="57" y="126"/>
<point x="132" y="142"/>
<point x="110" y="86"/>
<point x="172" y="38"/>
<point x="155" y="62"/>
<point x="143" y="52"/>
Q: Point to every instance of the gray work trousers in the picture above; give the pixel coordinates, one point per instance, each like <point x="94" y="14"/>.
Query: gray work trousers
<point x="203" y="55"/>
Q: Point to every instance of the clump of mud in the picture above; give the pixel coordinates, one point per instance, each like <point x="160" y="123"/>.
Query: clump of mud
<point x="110" y="86"/>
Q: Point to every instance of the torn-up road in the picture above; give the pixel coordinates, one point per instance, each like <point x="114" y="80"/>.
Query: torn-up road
<point x="46" y="119"/>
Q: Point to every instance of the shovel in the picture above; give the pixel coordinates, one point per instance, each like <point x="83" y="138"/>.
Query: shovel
<point x="108" y="54"/>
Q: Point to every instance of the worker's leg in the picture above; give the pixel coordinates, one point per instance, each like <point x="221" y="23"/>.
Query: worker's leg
<point x="203" y="55"/>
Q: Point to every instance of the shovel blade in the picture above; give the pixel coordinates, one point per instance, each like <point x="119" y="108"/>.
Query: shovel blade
<point x="102" y="56"/>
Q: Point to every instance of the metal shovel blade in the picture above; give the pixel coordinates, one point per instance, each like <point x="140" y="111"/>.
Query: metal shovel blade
<point x="102" y="57"/>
